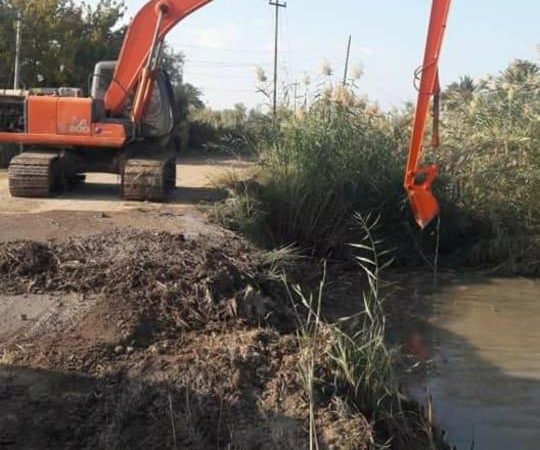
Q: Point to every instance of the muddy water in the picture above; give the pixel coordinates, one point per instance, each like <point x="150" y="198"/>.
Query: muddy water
<point x="478" y="341"/>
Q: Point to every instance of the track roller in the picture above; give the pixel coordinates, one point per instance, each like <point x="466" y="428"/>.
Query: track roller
<point x="148" y="178"/>
<point x="34" y="174"/>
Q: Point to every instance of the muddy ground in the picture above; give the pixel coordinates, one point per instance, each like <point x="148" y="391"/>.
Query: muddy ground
<point x="141" y="326"/>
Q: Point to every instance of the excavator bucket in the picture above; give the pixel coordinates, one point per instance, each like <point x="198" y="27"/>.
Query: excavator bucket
<point x="424" y="205"/>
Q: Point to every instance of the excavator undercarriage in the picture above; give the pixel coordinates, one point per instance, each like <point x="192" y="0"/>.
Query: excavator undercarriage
<point x="144" y="175"/>
<point x="34" y="174"/>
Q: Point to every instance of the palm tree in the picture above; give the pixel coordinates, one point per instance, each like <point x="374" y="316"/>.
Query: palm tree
<point x="187" y="97"/>
<point x="460" y="91"/>
<point x="521" y="71"/>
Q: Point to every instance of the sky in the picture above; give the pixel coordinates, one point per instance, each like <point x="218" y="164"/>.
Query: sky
<point x="226" y="40"/>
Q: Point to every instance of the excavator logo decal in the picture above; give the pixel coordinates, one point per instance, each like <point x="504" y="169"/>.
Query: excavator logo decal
<point x="79" y="126"/>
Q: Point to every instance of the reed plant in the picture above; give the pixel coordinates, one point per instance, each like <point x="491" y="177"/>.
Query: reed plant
<point x="349" y="363"/>
<point x="340" y="153"/>
<point x="491" y="162"/>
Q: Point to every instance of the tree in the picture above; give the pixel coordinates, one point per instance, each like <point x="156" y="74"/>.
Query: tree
<point x="172" y="62"/>
<point x="187" y="97"/>
<point x="61" y="41"/>
<point x="459" y="92"/>
<point x="521" y="72"/>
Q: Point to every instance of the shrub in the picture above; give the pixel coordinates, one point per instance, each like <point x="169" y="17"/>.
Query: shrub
<point x="491" y="158"/>
<point x="323" y="164"/>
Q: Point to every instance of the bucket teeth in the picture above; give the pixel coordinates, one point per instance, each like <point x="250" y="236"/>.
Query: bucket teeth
<point x="33" y="174"/>
<point x="148" y="178"/>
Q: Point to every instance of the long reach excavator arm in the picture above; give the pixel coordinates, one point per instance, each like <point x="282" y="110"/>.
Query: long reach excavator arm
<point x="418" y="180"/>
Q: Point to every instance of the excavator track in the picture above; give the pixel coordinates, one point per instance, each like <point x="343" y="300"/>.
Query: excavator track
<point x="34" y="174"/>
<point x="149" y="179"/>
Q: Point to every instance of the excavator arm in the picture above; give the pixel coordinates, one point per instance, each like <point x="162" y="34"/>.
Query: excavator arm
<point x="141" y="52"/>
<point x="418" y="180"/>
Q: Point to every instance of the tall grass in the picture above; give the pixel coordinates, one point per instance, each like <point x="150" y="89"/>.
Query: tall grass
<point x="348" y="363"/>
<point x="491" y="158"/>
<point x="341" y="154"/>
<point x="322" y="164"/>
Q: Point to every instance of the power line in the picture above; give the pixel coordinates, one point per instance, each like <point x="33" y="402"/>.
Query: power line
<point x="317" y="50"/>
<point x="218" y="75"/>
<point x="227" y="49"/>
<point x="221" y="89"/>
<point x="290" y="61"/>
<point x="226" y="63"/>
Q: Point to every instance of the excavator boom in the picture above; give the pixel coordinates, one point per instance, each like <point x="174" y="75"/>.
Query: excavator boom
<point x="142" y="42"/>
<point x="418" y="180"/>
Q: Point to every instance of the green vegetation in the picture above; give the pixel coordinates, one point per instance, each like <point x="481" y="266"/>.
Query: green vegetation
<point x="491" y="166"/>
<point x="235" y="130"/>
<point x="341" y="154"/>
<point x="348" y="363"/>
<point x="62" y="40"/>
<point x="337" y="156"/>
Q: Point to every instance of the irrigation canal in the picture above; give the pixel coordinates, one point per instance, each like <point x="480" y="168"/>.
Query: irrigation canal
<point x="477" y="341"/>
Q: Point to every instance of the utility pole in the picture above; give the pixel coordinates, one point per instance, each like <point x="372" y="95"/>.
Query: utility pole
<point x="295" y="85"/>
<point x="278" y="5"/>
<point x="17" y="69"/>
<point x="347" y="61"/>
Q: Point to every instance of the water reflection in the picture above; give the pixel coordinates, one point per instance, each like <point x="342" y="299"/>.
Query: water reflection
<point x="482" y="337"/>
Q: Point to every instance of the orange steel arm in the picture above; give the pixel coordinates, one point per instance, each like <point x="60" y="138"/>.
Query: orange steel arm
<point x="423" y="203"/>
<point x="143" y="40"/>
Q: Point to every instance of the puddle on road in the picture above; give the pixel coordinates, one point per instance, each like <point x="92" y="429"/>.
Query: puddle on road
<point x="481" y="339"/>
<point x="31" y="315"/>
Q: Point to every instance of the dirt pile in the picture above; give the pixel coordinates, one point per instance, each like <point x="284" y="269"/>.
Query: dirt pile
<point x="174" y="283"/>
<point x="187" y="344"/>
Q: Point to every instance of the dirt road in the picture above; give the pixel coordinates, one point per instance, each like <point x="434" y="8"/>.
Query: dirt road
<point x="96" y="206"/>
<point x="139" y="325"/>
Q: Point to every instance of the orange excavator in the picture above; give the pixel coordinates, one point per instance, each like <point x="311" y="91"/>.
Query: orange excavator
<point x="124" y="127"/>
<point x="418" y="180"/>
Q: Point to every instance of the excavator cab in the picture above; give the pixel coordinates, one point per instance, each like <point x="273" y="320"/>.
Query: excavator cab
<point x="102" y="79"/>
<point x="159" y="116"/>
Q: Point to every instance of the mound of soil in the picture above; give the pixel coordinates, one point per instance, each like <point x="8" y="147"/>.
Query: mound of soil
<point x="184" y="344"/>
<point x="173" y="283"/>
